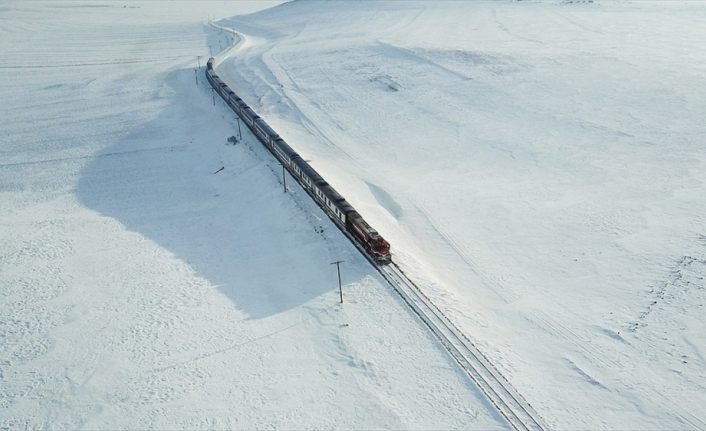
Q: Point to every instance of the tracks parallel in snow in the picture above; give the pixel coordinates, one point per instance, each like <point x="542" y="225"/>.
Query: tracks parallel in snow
<point x="518" y="412"/>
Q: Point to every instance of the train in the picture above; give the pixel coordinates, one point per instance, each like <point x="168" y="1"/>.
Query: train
<point x="331" y="202"/>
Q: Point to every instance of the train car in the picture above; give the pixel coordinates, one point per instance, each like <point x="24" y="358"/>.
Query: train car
<point x="373" y="243"/>
<point x="333" y="201"/>
<point x="235" y="100"/>
<point x="335" y="205"/>
<point x="234" y="106"/>
<point x="283" y="151"/>
<point x="298" y="166"/>
<point x="268" y="134"/>
<point x="249" y="116"/>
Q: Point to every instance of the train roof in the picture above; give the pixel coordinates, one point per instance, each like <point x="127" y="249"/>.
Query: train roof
<point x="250" y="110"/>
<point x="360" y="221"/>
<point x="309" y="171"/>
<point x="335" y="197"/>
<point x="285" y="148"/>
<point x="266" y="128"/>
<point x="317" y="179"/>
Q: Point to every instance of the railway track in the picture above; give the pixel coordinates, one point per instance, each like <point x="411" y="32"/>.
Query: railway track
<point x="518" y="412"/>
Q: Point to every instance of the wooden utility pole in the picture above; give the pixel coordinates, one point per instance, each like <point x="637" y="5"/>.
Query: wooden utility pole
<point x="338" y="269"/>
<point x="196" y="75"/>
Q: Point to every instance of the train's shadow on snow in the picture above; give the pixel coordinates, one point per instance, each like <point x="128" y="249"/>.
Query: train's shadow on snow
<point x="266" y="251"/>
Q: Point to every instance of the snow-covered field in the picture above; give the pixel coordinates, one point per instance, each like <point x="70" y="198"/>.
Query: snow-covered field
<point x="539" y="167"/>
<point x="139" y="290"/>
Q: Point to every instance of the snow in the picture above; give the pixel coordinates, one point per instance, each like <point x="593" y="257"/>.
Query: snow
<point x="139" y="289"/>
<point x="538" y="167"/>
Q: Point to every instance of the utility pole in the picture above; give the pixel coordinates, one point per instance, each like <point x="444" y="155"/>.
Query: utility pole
<point x="338" y="269"/>
<point x="198" y="58"/>
<point x="240" y="135"/>
<point x="196" y="75"/>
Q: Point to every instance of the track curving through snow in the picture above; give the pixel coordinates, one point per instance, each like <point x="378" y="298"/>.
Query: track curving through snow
<point x="519" y="414"/>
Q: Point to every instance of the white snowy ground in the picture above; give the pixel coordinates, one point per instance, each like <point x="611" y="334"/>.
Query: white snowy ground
<point x="140" y="290"/>
<point x="539" y="167"/>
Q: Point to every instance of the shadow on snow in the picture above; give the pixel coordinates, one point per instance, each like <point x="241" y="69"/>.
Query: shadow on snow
<point x="268" y="252"/>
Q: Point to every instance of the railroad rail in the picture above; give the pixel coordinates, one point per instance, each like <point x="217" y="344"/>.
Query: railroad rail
<point x="511" y="405"/>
